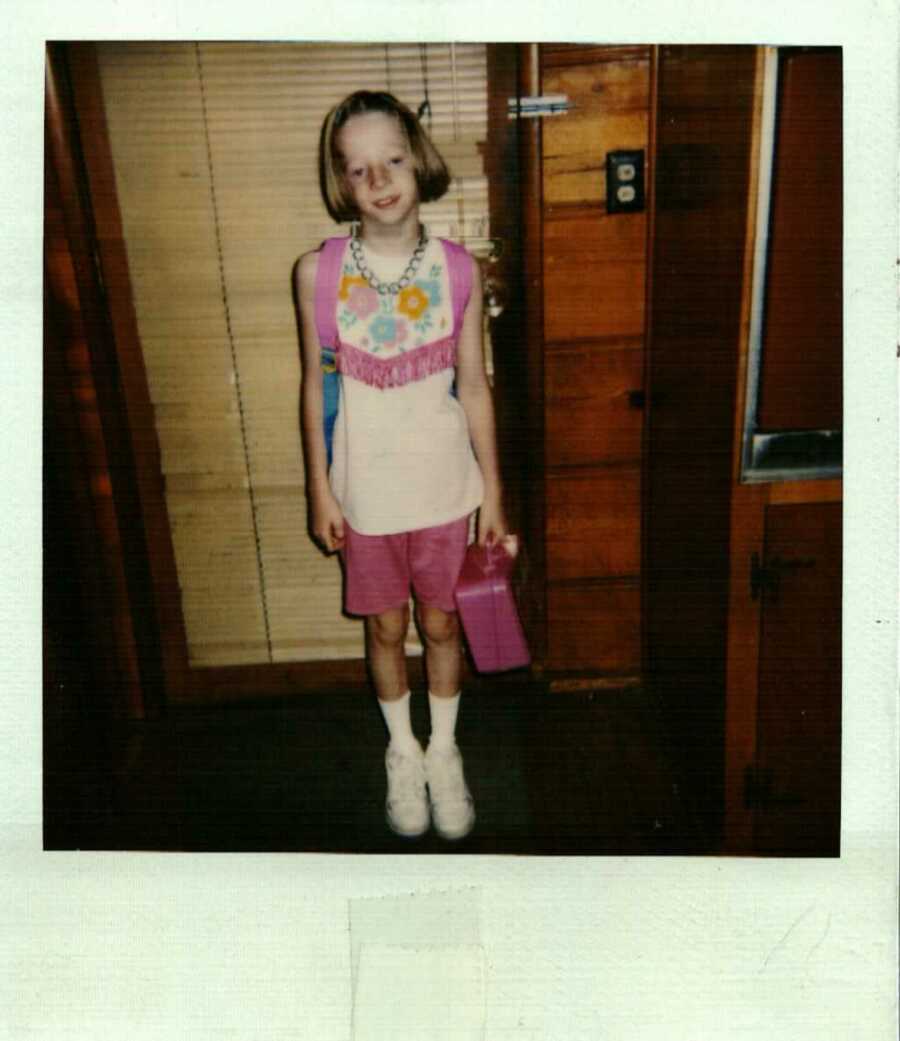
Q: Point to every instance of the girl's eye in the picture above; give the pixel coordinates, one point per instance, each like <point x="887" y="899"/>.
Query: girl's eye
<point x="357" y="172"/>
<point x="397" y="160"/>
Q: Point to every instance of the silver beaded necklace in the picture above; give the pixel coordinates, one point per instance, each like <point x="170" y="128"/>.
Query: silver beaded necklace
<point x="383" y="288"/>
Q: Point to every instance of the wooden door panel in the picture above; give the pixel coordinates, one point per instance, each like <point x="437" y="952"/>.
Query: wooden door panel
<point x="609" y="112"/>
<point x="595" y="626"/>
<point x="593" y="524"/>
<point x="593" y="272"/>
<point x="592" y="400"/>
<point x="594" y="276"/>
<point x="799" y="709"/>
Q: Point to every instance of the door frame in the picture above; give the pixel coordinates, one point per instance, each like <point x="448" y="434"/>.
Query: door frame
<point x="108" y="323"/>
<point x="513" y="168"/>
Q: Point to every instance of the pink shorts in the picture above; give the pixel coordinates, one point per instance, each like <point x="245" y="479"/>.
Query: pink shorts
<point x="380" y="570"/>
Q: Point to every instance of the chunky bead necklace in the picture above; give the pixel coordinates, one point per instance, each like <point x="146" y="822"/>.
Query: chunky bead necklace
<point x="404" y="280"/>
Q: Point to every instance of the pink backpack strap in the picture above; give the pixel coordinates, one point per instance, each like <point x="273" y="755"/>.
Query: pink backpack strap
<point x="459" y="266"/>
<point x="328" y="276"/>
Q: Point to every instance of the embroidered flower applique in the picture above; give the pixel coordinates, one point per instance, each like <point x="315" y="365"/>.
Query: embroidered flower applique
<point x="388" y="332"/>
<point x="391" y="320"/>
<point x="347" y="283"/>
<point x="432" y="287"/>
<point x="362" y="301"/>
<point x="425" y="322"/>
<point x="412" y="301"/>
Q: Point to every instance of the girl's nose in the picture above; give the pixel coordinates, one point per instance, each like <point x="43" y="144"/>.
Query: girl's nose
<point x="378" y="175"/>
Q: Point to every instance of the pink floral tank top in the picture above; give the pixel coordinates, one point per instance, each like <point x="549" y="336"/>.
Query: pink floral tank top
<point x="402" y="455"/>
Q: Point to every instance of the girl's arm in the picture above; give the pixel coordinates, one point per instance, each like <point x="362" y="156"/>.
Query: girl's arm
<point x="475" y="397"/>
<point x="325" y="518"/>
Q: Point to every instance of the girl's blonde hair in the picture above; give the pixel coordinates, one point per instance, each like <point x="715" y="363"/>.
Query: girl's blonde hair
<point x="432" y="175"/>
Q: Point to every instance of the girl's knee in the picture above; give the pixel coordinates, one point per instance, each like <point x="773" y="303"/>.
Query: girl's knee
<point x="438" y="627"/>
<point x="389" y="627"/>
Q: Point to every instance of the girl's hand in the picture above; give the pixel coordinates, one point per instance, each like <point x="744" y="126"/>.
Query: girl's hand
<point x="491" y="522"/>
<point x="326" y="522"/>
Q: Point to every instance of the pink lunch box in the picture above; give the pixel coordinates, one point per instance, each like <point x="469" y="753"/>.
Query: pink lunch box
<point x="488" y="612"/>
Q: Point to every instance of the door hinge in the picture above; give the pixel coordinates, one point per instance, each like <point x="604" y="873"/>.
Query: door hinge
<point x="538" y="105"/>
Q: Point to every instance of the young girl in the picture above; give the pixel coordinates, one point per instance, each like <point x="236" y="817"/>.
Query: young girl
<point x="404" y="313"/>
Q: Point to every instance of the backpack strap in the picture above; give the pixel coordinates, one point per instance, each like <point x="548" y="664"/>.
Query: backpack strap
<point x="459" y="267"/>
<point x="328" y="275"/>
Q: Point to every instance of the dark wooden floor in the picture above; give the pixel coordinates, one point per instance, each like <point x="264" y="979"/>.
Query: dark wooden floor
<point x="551" y="774"/>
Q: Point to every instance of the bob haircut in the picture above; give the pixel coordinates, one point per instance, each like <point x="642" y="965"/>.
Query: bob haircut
<point x="432" y="175"/>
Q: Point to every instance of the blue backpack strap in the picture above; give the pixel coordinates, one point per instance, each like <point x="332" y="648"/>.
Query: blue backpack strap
<point x="328" y="275"/>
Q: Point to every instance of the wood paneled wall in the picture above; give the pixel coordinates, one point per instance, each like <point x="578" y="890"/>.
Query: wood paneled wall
<point x="706" y="103"/>
<point x="594" y="286"/>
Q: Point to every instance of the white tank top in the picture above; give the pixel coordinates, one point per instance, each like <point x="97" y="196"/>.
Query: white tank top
<point x="402" y="455"/>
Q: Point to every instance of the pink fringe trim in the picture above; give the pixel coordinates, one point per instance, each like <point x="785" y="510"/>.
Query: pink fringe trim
<point x="397" y="371"/>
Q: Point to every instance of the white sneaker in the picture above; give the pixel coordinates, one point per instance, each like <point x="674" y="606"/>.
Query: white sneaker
<point x="452" y="805"/>
<point x="406" y="805"/>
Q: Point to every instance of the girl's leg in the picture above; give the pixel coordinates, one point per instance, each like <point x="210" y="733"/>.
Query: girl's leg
<point x="440" y="631"/>
<point x="385" y="637"/>
<point x="452" y="807"/>
<point x="406" y="804"/>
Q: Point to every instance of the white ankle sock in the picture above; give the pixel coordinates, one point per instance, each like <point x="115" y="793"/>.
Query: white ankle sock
<point x="443" y="719"/>
<point x="396" y="716"/>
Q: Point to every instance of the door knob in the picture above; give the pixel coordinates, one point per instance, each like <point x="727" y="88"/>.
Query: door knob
<point x="494" y="296"/>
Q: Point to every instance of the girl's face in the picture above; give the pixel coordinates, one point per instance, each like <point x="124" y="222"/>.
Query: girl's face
<point x="378" y="168"/>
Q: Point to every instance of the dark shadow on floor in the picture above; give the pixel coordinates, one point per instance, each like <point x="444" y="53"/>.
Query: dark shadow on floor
<point x="568" y="774"/>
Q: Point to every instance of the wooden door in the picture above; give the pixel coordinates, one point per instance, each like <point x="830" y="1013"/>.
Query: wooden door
<point x="594" y="287"/>
<point x="585" y="289"/>
<point x="576" y="338"/>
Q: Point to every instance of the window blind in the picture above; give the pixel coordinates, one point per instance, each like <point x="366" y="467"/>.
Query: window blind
<point x="215" y="152"/>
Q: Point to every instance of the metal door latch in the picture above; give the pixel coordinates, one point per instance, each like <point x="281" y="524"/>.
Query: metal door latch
<point x="538" y="105"/>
